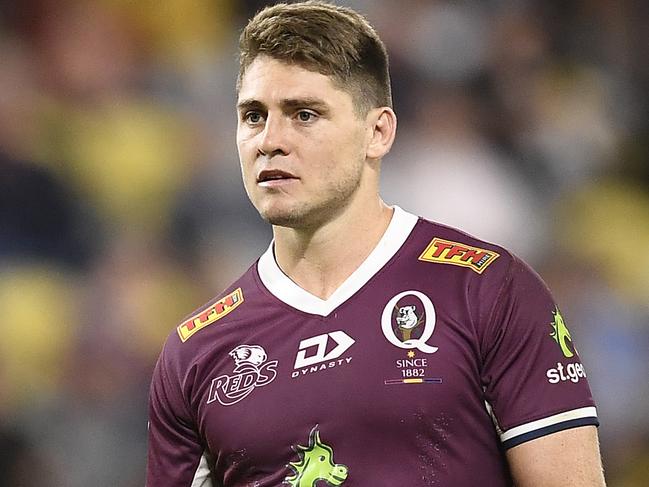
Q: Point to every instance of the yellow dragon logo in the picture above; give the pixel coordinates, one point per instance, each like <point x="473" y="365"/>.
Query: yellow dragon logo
<point x="316" y="464"/>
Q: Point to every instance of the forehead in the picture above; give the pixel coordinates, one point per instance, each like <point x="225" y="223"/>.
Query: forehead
<point x="268" y="80"/>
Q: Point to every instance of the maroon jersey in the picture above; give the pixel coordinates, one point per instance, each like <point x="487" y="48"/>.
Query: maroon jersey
<point x="439" y="353"/>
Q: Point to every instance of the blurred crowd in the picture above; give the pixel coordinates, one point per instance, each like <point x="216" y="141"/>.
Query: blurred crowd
<point x="524" y="122"/>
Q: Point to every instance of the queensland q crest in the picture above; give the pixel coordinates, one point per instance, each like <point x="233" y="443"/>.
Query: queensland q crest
<point x="408" y="321"/>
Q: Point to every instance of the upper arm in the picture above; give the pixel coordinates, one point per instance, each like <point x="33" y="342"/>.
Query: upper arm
<point x="176" y="456"/>
<point x="563" y="459"/>
<point x="532" y="375"/>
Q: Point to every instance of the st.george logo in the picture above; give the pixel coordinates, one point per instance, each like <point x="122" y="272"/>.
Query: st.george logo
<point x="408" y="321"/>
<point x="560" y="333"/>
<point x="251" y="371"/>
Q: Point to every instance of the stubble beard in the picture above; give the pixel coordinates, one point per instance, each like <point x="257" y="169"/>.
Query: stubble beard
<point x="313" y="214"/>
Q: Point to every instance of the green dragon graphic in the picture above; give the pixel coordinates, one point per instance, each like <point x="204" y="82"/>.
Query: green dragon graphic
<point x="560" y="333"/>
<point x="316" y="463"/>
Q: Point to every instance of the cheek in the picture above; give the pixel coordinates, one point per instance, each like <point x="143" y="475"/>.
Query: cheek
<point x="246" y="154"/>
<point x="246" y="163"/>
<point x="349" y="151"/>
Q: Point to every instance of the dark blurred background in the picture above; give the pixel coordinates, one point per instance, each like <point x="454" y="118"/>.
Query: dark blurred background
<point x="121" y="207"/>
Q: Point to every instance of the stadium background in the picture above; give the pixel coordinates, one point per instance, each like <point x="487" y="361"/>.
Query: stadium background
<point x="121" y="209"/>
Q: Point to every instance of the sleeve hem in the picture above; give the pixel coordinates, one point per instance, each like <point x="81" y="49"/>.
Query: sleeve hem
<point x="571" y="419"/>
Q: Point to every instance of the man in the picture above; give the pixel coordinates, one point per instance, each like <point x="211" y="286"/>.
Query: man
<point x="366" y="347"/>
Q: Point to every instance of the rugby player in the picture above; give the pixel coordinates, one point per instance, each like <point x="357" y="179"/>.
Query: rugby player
<point x="366" y="346"/>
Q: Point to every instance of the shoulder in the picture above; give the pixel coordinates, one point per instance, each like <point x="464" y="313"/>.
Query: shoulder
<point x="442" y="244"/>
<point x="468" y="271"/>
<point x="199" y="331"/>
<point x="215" y="310"/>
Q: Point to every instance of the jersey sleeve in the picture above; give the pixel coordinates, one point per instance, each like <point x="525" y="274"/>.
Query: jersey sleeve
<point x="176" y="457"/>
<point x="534" y="381"/>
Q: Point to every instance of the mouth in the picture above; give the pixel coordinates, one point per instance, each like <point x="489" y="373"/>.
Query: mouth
<point x="274" y="177"/>
<point x="338" y="478"/>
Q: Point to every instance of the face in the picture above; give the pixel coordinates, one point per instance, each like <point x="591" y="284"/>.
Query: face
<point x="301" y="145"/>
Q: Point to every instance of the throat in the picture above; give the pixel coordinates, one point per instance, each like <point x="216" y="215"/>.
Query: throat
<point x="317" y="280"/>
<point x="322" y="263"/>
<point x="325" y="289"/>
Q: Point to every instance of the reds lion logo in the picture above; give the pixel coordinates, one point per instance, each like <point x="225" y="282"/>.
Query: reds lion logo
<point x="250" y="371"/>
<point x="251" y="354"/>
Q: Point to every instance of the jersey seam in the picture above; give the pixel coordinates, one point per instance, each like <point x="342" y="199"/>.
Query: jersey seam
<point x="186" y="402"/>
<point x="497" y="303"/>
<point x="167" y="380"/>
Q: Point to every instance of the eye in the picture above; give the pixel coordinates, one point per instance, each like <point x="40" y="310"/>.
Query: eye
<point x="322" y="458"/>
<point x="252" y="117"/>
<point x="305" y="116"/>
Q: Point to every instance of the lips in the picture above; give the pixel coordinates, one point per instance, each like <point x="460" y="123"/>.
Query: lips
<point x="270" y="175"/>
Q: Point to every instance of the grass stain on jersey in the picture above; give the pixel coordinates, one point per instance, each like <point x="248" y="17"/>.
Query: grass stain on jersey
<point x="433" y="445"/>
<point x="316" y="463"/>
<point x="560" y="333"/>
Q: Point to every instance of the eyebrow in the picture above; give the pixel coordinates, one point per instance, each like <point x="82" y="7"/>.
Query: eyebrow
<point x="287" y="104"/>
<point x="249" y="104"/>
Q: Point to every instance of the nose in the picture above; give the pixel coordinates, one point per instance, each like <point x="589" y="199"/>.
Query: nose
<point x="273" y="139"/>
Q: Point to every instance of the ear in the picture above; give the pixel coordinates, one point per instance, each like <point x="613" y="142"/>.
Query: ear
<point x="382" y="124"/>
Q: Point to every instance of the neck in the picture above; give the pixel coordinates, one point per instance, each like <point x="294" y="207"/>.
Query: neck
<point x="320" y="260"/>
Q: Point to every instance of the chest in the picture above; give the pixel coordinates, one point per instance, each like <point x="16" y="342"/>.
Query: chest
<point x="398" y="368"/>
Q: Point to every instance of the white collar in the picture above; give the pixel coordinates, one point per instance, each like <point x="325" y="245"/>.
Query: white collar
<point x="284" y="289"/>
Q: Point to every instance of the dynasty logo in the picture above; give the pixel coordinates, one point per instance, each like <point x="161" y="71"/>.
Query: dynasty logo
<point x="455" y="253"/>
<point x="251" y="371"/>
<point x="318" y="357"/>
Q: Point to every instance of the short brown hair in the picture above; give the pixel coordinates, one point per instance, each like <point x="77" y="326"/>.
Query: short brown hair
<point x="329" y="39"/>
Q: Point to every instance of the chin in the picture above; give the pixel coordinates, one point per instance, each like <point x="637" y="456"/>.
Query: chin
<point x="276" y="216"/>
<point x="283" y="219"/>
<point x="286" y="216"/>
